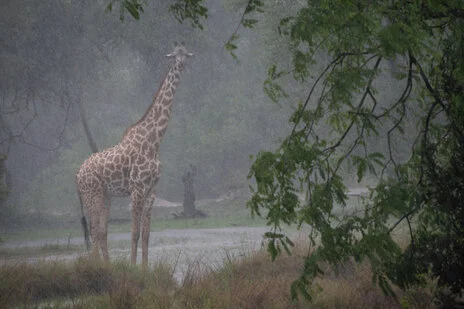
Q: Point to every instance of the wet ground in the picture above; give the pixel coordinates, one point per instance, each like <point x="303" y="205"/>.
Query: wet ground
<point x="184" y="249"/>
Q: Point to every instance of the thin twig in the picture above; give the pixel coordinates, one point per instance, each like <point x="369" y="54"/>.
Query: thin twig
<point x="436" y="96"/>
<point x="401" y="220"/>
<point x="334" y="62"/>
<point x="361" y="103"/>
<point x="233" y="35"/>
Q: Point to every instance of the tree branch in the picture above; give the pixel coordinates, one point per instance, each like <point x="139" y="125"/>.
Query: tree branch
<point x="402" y="100"/>
<point x="401" y="220"/>
<point x="311" y="91"/>
<point x="437" y="98"/>
<point x="248" y="9"/>
<point x="425" y="151"/>
<point x="361" y="103"/>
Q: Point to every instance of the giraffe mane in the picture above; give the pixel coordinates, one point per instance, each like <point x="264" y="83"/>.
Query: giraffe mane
<point x="148" y="109"/>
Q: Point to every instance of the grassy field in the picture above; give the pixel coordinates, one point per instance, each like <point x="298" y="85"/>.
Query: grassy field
<point x="249" y="282"/>
<point x="39" y="251"/>
<point x="223" y="213"/>
<point x="220" y="213"/>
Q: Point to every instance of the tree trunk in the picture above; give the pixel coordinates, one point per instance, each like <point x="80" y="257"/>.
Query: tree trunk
<point x="4" y="185"/>
<point x="90" y="139"/>
<point x="189" y="195"/>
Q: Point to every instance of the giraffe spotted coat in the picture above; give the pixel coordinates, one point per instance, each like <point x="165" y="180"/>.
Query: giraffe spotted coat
<point x="131" y="168"/>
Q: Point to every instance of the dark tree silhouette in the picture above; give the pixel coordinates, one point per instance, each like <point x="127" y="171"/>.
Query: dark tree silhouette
<point x="189" y="195"/>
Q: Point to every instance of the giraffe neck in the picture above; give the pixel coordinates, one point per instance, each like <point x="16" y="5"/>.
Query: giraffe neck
<point x="154" y="122"/>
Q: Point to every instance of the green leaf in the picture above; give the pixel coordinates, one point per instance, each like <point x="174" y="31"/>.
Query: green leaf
<point x="274" y="91"/>
<point x="191" y="10"/>
<point x="300" y="286"/>
<point x="231" y="47"/>
<point x="272" y="249"/>
<point x="340" y="54"/>
<point x="109" y="7"/>
<point x="133" y="7"/>
<point x="248" y="22"/>
<point x="377" y="157"/>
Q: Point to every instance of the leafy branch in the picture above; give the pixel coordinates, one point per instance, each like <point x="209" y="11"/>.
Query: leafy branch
<point x="251" y="7"/>
<point x="182" y="10"/>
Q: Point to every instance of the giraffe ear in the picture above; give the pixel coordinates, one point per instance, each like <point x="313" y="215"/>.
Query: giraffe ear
<point x="176" y="44"/>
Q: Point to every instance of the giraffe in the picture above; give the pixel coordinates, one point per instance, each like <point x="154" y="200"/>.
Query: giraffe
<point x="131" y="168"/>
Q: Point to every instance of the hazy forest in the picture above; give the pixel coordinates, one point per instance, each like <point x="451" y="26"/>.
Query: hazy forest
<point x="324" y="141"/>
<point x="60" y="56"/>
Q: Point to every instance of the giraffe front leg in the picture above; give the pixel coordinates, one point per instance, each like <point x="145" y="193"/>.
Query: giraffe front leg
<point x="103" y="231"/>
<point x="137" y="208"/>
<point x="146" y="229"/>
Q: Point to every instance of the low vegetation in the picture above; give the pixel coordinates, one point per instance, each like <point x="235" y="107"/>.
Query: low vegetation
<point x="39" y="251"/>
<point x="253" y="281"/>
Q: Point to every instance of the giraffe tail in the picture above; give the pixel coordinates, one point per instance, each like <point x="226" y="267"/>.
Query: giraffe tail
<point x="84" y="223"/>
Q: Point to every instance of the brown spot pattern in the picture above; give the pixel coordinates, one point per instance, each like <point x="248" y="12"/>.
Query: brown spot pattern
<point x="131" y="167"/>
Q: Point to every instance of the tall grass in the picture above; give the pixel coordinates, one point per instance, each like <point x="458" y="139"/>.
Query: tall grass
<point x="252" y="281"/>
<point x="257" y="282"/>
<point x="117" y="285"/>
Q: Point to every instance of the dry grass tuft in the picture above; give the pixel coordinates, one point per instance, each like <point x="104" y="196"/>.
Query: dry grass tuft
<point x="253" y="282"/>
<point x="257" y="282"/>
<point x="250" y="282"/>
<point x="352" y="287"/>
<point x="27" y="284"/>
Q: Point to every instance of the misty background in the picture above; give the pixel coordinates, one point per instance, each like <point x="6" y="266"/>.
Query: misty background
<point x="58" y="55"/>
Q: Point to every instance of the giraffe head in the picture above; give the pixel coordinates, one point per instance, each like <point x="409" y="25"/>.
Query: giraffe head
<point x="180" y="54"/>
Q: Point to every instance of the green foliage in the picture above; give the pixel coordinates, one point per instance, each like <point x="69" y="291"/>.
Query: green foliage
<point x="133" y="7"/>
<point x="251" y="7"/>
<point x="273" y="89"/>
<point x="414" y="45"/>
<point x="377" y="77"/>
<point x="231" y="46"/>
<point x="182" y="10"/>
<point x="191" y="10"/>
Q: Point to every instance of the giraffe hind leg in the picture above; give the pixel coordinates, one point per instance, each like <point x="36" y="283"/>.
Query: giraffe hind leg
<point x="94" y="234"/>
<point x="85" y="227"/>
<point x="96" y="209"/>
